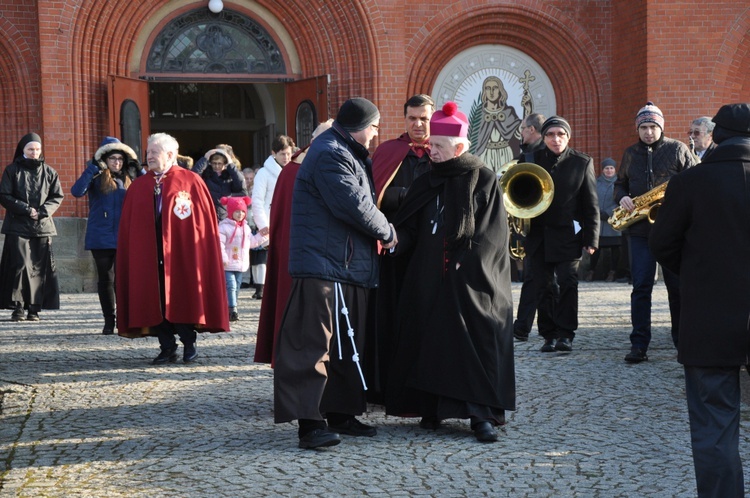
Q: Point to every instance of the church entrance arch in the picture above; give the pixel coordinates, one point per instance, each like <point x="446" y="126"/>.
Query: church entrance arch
<point x="221" y="78"/>
<point x="496" y="87"/>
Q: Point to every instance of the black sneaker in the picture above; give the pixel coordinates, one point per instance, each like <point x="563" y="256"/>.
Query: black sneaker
<point x="319" y="438"/>
<point x="353" y="427"/>
<point x="18" y="314"/>
<point x="32" y="316"/>
<point x="234" y="316"/>
<point x="168" y="356"/>
<point x="636" y="356"/>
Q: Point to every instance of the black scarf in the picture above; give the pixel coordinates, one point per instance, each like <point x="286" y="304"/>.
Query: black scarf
<point x="456" y="179"/>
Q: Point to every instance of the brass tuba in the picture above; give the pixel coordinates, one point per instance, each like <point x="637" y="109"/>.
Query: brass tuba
<point x="646" y="206"/>
<point x="527" y="192"/>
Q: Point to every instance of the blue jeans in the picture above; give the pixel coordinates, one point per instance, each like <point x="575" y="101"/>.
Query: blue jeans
<point x="234" y="281"/>
<point x="643" y="271"/>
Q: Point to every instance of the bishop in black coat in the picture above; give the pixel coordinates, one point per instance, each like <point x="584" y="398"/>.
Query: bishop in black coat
<point x="453" y="353"/>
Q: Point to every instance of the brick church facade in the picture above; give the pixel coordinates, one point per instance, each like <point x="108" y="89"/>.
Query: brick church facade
<point x="74" y="70"/>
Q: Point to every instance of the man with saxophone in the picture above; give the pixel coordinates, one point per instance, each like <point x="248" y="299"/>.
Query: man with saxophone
<point x="558" y="236"/>
<point x="645" y="165"/>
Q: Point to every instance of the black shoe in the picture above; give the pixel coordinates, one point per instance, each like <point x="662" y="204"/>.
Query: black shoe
<point x="319" y="438"/>
<point x="636" y="356"/>
<point x="564" y="344"/>
<point x="521" y="336"/>
<point x="353" y="427"/>
<point x="18" y="314"/>
<point x="190" y="353"/>
<point x="234" y="316"/>
<point x="484" y="432"/>
<point x="168" y="356"/>
<point x="109" y="325"/>
<point x="32" y="316"/>
<point x="429" y="423"/>
<point x="548" y="347"/>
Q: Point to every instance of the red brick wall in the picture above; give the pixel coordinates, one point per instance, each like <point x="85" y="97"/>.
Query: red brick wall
<point x="20" y="92"/>
<point x="605" y="59"/>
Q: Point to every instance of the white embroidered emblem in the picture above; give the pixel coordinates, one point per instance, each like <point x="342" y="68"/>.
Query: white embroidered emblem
<point x="183" y="206"/>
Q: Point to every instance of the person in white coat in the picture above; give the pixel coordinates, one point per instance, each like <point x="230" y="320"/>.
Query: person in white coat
<point x="282" y="148"/>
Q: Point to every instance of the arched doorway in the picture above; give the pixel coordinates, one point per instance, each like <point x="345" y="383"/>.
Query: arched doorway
<point x="221" y="78"/>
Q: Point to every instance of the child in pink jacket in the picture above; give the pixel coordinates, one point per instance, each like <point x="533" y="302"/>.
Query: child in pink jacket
<point x="236" y="241"/>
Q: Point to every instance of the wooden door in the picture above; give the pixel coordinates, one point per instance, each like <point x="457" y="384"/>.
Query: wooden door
<point x="129" y="112"/>
<point x="306" y="106"/>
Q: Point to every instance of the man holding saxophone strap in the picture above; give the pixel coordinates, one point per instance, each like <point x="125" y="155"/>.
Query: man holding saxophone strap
<point x="653" y="160"/>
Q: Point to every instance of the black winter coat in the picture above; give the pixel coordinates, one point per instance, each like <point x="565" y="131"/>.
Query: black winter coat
<point x="228" y="183"/>
<point x="26" y="184"/>
<point x="702" y="233"/>
<point x="575" y="200"/>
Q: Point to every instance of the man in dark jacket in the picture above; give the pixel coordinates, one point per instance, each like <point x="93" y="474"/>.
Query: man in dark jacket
<point x="333" y="263"/>
<point x="712" y="202"/>
<point x="655" y="159"/>
<point x="558" y="236"/>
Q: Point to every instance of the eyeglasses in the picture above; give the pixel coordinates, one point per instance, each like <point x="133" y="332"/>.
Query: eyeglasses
<point x="116" y="159"/>
<point x="695" y="133"/>
<point x="375" y="127"/>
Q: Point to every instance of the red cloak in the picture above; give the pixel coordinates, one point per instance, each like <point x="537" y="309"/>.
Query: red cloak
<point x="278" y="281"/>
<point x="194" y="284"/>
<point x="386" y="161"/>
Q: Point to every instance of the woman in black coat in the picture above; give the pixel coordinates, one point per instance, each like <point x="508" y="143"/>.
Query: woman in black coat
<point x="30" y="192"/>
<point x="222" y="179"/>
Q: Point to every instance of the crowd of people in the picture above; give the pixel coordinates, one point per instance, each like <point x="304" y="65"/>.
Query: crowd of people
<point x="379" y="272"/>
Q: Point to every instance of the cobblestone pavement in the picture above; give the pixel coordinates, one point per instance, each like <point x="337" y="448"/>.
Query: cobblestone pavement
<point x="83" y="414"/>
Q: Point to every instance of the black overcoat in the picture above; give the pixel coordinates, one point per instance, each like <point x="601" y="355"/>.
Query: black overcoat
<point x="702" y="233"/>
<point x="575" y="199"/>
<point x="454" y="337"/>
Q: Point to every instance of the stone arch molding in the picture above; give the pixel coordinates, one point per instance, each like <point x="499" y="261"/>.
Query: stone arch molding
<point x="496" y="86"/>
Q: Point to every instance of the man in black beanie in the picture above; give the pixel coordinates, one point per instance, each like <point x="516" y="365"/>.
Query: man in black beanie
<point x="558" y="237"/>
<point x="333" y="262"/>
<point x="702" y="234"/>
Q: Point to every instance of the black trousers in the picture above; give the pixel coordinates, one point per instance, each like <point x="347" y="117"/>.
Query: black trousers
<point x="104" y="259"/>
<point x="713" y="399"/>
<point x="557" y="312"/>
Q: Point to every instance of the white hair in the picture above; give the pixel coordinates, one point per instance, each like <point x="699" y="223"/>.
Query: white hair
<point x="165" y="141"/>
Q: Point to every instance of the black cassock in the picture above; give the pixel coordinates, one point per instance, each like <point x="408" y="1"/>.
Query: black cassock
<point x="453" y="349"/>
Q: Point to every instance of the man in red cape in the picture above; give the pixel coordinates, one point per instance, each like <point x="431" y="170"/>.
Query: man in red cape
<point x="395" y="165"/>
<point x="170" y="278"/>
<point x="278" y="281"/>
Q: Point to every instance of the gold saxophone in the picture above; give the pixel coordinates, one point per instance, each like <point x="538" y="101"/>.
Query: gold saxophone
<point x="646" y="206"/>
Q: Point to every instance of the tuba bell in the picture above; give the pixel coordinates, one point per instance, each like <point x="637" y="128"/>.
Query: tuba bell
<point x="528" y="191"/>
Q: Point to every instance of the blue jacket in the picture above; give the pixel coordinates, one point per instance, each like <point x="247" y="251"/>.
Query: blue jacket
<point x="104" y="209"/>
<point x="335" y="223"/>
